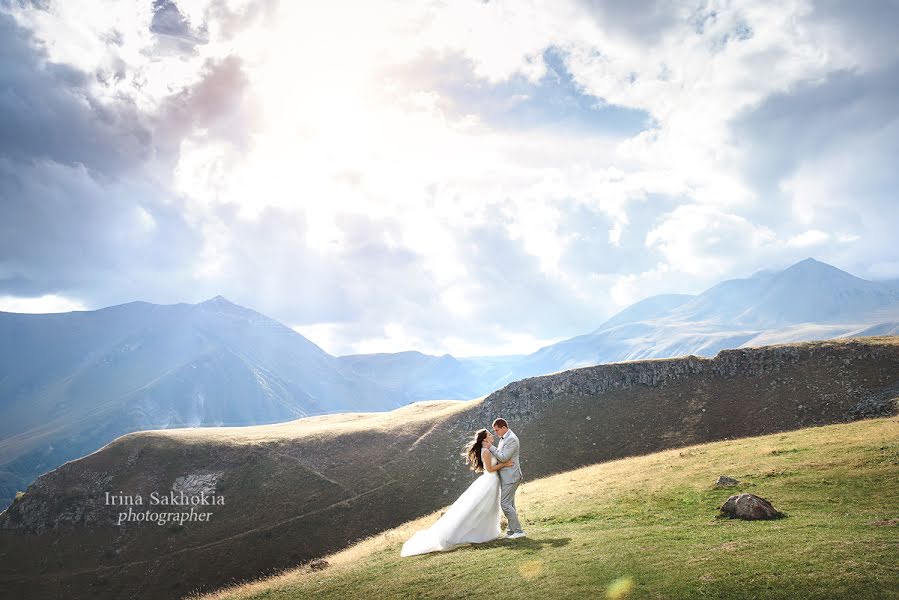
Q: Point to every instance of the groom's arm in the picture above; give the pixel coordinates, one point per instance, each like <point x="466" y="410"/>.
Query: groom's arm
<point x="509" y="449"/>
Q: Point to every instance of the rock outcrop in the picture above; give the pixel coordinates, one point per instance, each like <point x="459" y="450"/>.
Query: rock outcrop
<point x="523" y="400"/>
<point x="749" y="507"/>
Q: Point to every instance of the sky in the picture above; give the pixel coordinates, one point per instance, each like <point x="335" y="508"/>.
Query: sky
<point x="473" y="178"/>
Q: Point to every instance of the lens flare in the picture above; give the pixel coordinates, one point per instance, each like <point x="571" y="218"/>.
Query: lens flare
<point x="531" y="569"/>
<point x="620" y="588"/>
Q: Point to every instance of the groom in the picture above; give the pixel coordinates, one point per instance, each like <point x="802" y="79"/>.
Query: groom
<point x="509" y="477"/>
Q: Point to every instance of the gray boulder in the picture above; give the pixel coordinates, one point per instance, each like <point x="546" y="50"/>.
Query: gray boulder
<point x="725" y="481"/>
<point x="749" y="507"/>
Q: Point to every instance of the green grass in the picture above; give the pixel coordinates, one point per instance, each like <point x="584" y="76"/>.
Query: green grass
<point x="646" y="527"/>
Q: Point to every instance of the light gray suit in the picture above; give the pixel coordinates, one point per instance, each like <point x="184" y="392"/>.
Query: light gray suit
<point x="509" y="477"/>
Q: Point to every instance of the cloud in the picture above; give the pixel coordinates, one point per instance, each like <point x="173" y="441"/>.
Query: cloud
<point x="49" y="303"/>
<point x="555" y="101"/>
<point x="703" y="240"/>
<point x="863" y="31"/>
<point x="815" y="118"/>
<point x="645" y="20"/>
<point x="65" y="233"/>
<point x="825" y="153"/>
<point x="49" y="113"/>
<point x="174" y="29"/>
<point x="86" y="213"/>
<point x="219" y="106"/>
<point x="811" y="237"/>
<point x="460" y="176"/>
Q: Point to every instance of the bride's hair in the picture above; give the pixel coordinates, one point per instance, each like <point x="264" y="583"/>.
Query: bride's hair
<point x="473" y="452"/>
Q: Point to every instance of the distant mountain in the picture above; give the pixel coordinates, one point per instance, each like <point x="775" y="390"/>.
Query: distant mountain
<point x="891" y="283"/>
<point x="807" y="292"/>
<point x="653" y="307"/>
<point x="71" y="382"/>
<point x="810" y="300"/>
<point x="415" y="375"/>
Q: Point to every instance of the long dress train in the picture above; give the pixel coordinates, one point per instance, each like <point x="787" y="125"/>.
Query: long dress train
<point x="472" y="519"/>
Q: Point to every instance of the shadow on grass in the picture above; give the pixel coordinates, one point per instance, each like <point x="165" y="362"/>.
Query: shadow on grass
<point x="525" y="543"/>
<point x="534" y="543"/>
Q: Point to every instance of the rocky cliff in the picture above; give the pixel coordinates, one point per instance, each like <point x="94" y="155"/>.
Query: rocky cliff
<point x="844" y="366"/>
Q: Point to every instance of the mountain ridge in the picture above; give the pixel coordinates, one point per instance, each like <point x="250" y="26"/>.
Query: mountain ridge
<point x="144" y="366"/>
<point x="765" y="308"/>
<point x="141" y="365"/>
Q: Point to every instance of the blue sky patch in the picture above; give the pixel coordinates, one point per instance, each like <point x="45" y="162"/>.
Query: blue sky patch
<point x="557" y="102"/>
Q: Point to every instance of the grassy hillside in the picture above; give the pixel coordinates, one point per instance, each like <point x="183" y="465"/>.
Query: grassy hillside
<point x="299" y="490"/>
<point x="645" y="527"/>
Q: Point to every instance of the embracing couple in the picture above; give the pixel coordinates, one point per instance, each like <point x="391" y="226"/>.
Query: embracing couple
<point x="474" y="517"/>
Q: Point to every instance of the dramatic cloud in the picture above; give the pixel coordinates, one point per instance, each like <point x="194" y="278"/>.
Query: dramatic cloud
<point x="63" y="232"/>
<point x="466" y="177"/>
<point x="174" y="28"/>
<point x="47" y="112"/>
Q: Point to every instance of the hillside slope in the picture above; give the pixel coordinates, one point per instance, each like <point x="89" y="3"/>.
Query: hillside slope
<point x="308" y="487"/>
<point x="646" y="525"/>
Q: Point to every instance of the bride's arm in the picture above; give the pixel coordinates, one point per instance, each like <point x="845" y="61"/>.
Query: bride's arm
<point x="487" y="457"/>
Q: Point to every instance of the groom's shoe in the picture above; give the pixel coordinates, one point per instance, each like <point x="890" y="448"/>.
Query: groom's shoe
<point x="517" y="534"/>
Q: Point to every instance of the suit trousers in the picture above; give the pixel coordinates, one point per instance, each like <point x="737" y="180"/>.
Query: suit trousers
<point x="507" y="503"/>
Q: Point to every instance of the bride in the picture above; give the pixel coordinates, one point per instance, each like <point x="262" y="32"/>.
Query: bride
<point x="474" y="517"/>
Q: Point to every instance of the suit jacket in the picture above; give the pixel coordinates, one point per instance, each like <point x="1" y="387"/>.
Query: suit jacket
<point x="508" y="448"/>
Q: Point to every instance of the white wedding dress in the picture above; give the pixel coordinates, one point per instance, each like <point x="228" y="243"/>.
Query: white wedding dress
<point x="472" y="519"/>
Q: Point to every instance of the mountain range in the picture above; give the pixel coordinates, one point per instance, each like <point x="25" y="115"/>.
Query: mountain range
<point x="810" y="300"/>
<point x="71" y="382"/>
